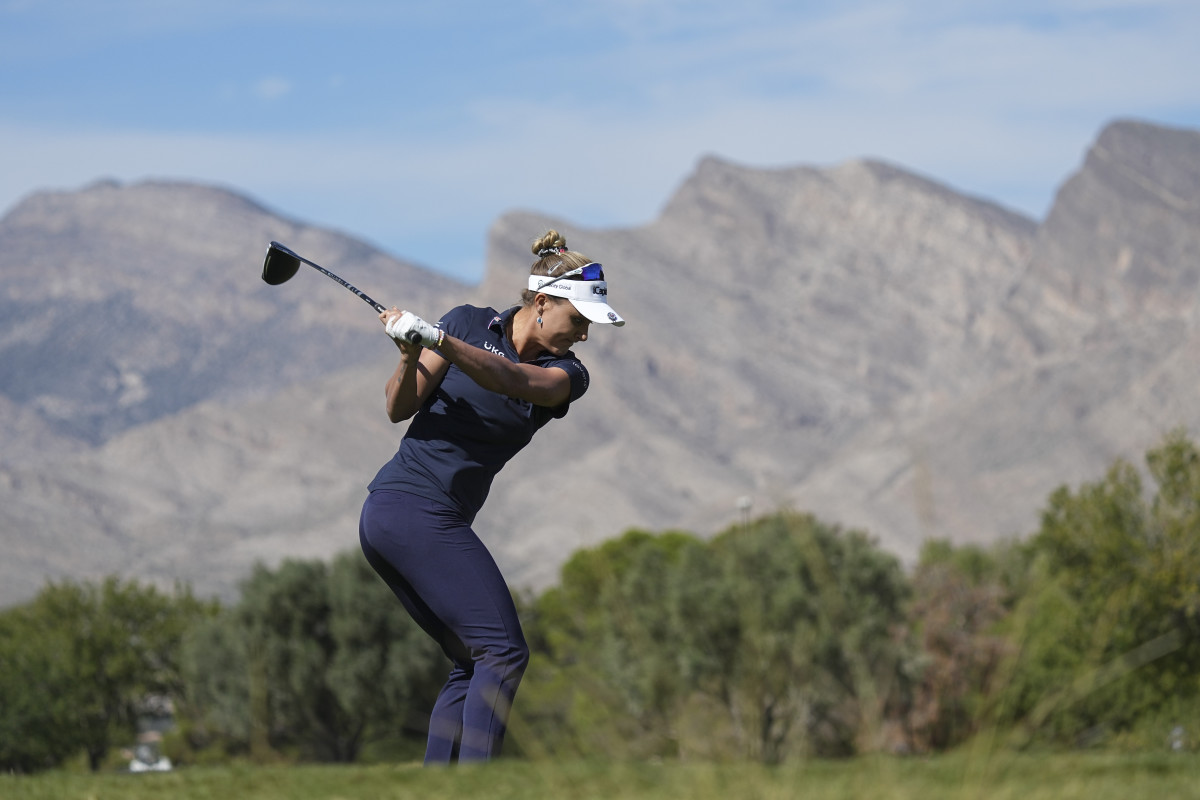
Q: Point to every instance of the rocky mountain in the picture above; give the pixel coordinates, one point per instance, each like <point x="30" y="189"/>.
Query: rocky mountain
<point x="124" y="304"/>
<point x="858" y="341"/>
<point x="129" y="313"/>
<point x="1102" y="323"/>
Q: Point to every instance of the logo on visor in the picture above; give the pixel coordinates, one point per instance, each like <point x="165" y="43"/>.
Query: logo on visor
<point x="612" y="317"/>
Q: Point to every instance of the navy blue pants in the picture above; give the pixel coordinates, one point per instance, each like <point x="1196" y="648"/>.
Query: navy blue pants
<point x="450" y="584"/>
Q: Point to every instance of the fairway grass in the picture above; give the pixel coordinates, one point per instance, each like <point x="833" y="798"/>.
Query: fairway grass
<point x="1164" y="776"/>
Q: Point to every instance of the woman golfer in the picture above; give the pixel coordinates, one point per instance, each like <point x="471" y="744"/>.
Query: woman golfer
<point x="478" y="386"/>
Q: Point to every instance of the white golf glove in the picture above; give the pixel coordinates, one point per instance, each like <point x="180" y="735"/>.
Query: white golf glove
<point x="408" y="327"/>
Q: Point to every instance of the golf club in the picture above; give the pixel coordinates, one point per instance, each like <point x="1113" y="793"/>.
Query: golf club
<point x="282" y="263"/>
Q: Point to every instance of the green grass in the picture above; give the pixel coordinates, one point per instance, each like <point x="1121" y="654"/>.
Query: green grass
<point x="959" y="775"/>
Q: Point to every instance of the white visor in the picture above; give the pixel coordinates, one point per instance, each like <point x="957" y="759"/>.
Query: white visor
<point x="590" y="298"/>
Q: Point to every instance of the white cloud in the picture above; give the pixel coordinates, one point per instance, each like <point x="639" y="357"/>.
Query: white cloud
<point x="600" y="120"/>
<point x="272" y="87"/>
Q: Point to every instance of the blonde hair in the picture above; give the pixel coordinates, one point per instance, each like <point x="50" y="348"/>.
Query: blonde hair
<point x="553" y="259"/>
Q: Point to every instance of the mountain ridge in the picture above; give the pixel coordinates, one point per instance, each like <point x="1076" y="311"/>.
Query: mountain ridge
<point x="858" y="341"/>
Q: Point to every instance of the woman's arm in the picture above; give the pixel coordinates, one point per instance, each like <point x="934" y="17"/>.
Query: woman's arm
<point x="418" y="373"/>
<point x="542" y="386"/>
<point x="416" y="376"/>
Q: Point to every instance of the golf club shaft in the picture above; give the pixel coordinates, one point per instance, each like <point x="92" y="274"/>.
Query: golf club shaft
<point x="413" y="336"/>
<point x="347" y="284"/>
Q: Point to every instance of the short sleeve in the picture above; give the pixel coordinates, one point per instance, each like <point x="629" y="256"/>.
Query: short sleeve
<point x="578" y="375"/>
<point x="456" y="322"/>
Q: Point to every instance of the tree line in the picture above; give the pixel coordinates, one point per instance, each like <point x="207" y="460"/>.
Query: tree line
<point x="780" y="638"/>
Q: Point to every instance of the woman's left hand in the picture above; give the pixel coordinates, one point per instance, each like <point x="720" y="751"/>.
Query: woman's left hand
<point x="409" y="327"/>
<point x="390" y="319"/>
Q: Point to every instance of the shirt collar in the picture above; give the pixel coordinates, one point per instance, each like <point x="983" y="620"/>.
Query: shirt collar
<point x="499" y="322"/>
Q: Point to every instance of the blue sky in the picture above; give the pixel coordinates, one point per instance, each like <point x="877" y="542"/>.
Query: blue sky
<point x="415" y="125"/>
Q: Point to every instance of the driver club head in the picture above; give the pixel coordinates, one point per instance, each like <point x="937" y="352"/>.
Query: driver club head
<point x="280" y="265"/>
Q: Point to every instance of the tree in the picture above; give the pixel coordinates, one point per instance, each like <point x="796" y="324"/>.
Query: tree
<point x="819" y="657"/>
<point x="777" y="638"/>
<point x="1109" y="633"/>
<point x="601" y="669"/>
<point x="384" y="667"/>
<point x="312" y="656"/>
<point x="961" y="595"/>
<point x="217" y="706"/>
<point x="36" y="730"/>
<point x="88" y="655"/>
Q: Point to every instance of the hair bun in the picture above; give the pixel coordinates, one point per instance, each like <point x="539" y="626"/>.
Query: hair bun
<point x="550" y="243"/>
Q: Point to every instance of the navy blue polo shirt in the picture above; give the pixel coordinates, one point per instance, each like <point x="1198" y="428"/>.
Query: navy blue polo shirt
<point x="464" y="434"/>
